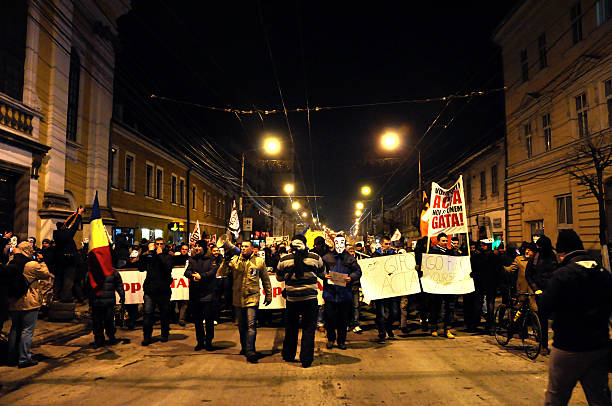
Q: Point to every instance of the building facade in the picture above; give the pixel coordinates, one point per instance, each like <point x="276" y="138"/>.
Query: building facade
<point x="558" y="73"/>
<point x="56" y="95"/>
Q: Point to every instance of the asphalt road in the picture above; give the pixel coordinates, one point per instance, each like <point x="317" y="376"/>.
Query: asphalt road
<point x="413" y="370"/>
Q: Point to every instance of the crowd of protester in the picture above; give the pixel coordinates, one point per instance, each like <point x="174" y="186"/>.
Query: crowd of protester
<point x="570" y="288"/>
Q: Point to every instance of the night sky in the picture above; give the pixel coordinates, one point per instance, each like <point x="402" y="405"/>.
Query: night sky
<point x="348" y="53"/>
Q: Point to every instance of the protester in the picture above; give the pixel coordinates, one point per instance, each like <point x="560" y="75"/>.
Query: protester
<point x="202" y="274"/>
<point x="156" y="287"/>
<point x="122" y="249"/>
<point x="247" y="270"/>
<point x="387" y="310"/>
<point x="300" y="270"/>
<point x="320" y="248"/>
<point x="223" y="291"/>
<point x="181" y="260"/>
<point x="66" y="255"/>
<point x="102" y="303"/>
<point x="8" y="273"/>
<point x="578" y="298"/>
<point x="337" y="295"/>
<point x="519" y="266"/>
<point x="4" y="243"/>
<point x="436" y="300"/>
<point x="422" y="298"/>
<point x="24" y="302"/>
<point x="490" y="275"/>
<point x="472" y="303"/>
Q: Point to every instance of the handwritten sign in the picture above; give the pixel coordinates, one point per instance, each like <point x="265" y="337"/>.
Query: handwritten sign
<point x="445" y="274"/>
<point x="389" y="276"/>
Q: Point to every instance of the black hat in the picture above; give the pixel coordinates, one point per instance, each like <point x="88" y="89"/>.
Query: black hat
<point x="203" y="244"/>
<point x="568" y="241"/>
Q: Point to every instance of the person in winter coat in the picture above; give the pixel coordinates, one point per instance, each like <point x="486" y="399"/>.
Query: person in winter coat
<point x="202" y="274"/>
<point x="436" y="300"/>
<point x="490" y="275"/>
<point x="66" y="256"/>
<point x="539" y="270"/>
<point x="578" y="298"/>
<point x="181" y="260"/>
<point x="158" y="265"/>
<point x="247" y="269"/>
<point x="338" y="298"/>
<point x="24" y="309"/>
<point x="300" y="270"/>
<point x="384" y="321"/>
<point x="102" y="304"/>
<point x="519" y="266"/>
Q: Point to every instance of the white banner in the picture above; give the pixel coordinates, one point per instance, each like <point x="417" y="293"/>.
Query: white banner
<point x="446" y="212"/>
<point x="278" y="301"/>
<point x="445" y="274"/>
<point x="389" y="276"/>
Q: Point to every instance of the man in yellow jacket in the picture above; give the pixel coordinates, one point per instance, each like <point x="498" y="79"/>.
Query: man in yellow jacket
<point x="247" y="269"/>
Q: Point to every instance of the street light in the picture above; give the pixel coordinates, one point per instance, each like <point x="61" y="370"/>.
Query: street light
<point x="390" y="140"/>
<point x="272" y="145"/>
<point x="357" y="213"/>
<point x="289" y="188"/>
<point x="359" y="206"/>
<point x="366" y="190"/>
<point x="295" y="206"/>
<point x="304" y="214"/>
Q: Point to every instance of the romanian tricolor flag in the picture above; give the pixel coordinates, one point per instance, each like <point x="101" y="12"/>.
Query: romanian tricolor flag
<point x="99" y="259"/>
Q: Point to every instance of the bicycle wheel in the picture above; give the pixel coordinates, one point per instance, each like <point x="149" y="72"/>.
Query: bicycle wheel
<point x="532" y="335"/>
<point x="503" y="322"/>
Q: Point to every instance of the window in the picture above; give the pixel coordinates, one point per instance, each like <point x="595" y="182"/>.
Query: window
<point x="608" y="89"/>
<point x="159" y="182"/>
<point x="536" y="227"/>
<point x="204" y="202"/>
<point x="576" y="16"/>
<point x="114" y="168"/>
<point x="149" y="181"/>
<point x="129" y="173"/>
<point x="74" y="77"/>
<point x="603" y="11"/>
<point x="13" y="27"/>
<point x="182" y="192"/>
<point x="468" y="188"/>
<point x="193" y="197"/>
<point x="582" y="115"/>
<point x="528" y="140"/>
<point x="547" y="127"/>
<point x="494" y="189"/>
<point x="524" y="66"/>
<point x="542" y="50"/>
<point x="564" y="210"/>
<point x="483" y="185"/>
<point x="173" y="190"/>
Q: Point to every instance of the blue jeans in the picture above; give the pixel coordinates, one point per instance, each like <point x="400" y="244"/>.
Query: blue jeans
<point x="355" y="315"/>
<point x="384" y="324"/>
<point x="21" y="335"/>
<point x="247" y="327"/>
<point x="163" y="303"/>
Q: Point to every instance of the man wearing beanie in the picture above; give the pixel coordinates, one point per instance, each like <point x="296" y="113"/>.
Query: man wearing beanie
<point x="578" y="299"/>
<point x="202" y="274"/>
<point x="300" y="270"/>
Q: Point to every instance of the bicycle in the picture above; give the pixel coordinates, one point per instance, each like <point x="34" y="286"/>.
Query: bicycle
<point x="519" y="318"/>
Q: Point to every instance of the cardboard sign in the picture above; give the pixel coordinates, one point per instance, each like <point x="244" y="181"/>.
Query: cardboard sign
<point x="445" y="274"/>
<point x="446" y="212"/>
<point x="389" y="276"/>
<point x="134" y="279"/>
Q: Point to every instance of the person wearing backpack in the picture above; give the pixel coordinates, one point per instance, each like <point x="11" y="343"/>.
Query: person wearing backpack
<point x="24" y="301"/>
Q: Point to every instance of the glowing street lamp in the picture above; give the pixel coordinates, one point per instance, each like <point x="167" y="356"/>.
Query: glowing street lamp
<point x="359" y="206"/>
<point x="272" y="145"/>
<point x="304" y="214"/>
<point x="357" y="213"/>
<point x="390" y="141"/>
<point x="366" y="190"/>
<point x="289" y="188"/>
<point x="296" y="206"/>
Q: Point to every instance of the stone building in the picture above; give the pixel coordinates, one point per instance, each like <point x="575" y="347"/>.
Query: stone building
<point x="558" y="73"/>
<point x="56" y="96"/>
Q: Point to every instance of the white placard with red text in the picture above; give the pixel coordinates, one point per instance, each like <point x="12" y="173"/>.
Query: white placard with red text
<point x="447" y="210"/>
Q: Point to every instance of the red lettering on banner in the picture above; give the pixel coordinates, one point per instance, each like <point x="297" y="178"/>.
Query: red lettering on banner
<point x="135" y="287"/>
<point x="436" y="202"/>
<point x="172" y="286"/>
<point x="181" y="283"/>
<point x="126" y="287"/>
<point x="319" y="285"/>
<point x="276" y="291"/>
<point x="456" y="197"/>
<point x="461" y="218"/>
<point x="447" y="220"/>
<point x="441" y="223"/>
<point x="455" y="220"/>
<point x="434" y="222"/>
<point x="445" y="202"/>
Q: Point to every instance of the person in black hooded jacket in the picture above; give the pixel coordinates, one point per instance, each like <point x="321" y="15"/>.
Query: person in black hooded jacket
<point x="202" y="274"/>
<point x="156" y="287"/>
<point x="102" y="303"/>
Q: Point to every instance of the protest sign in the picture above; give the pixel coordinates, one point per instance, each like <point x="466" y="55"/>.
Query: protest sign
<point x="278" y="301"/>
<point x="276" y="240"/>
<point x="447" y="210"/>
<point x="133" y="281"/>
<point x="445" y="274"/>
<point x="389" y="276"/>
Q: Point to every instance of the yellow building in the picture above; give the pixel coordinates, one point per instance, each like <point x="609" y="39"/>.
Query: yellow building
<point x="558" y="72"/>
<point x="150" y="188"/>
<point x="56" y="96"/>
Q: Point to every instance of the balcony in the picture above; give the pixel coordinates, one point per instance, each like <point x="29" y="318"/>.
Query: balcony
<point x="16" y="116"/>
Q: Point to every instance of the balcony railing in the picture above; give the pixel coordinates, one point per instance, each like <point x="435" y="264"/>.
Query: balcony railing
<point x="15" y="115"/>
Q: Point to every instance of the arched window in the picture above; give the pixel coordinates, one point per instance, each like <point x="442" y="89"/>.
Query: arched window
<point x="73" y="96"/>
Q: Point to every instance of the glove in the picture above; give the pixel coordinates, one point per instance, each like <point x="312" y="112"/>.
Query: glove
<point x="267" y="301"/>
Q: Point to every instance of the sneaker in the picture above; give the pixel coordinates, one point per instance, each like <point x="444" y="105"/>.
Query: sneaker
<point x="357" y="330"/>
<point x="434" y="333"/>
<point x="449" y="334"/>
<point x="27" y="364"/>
